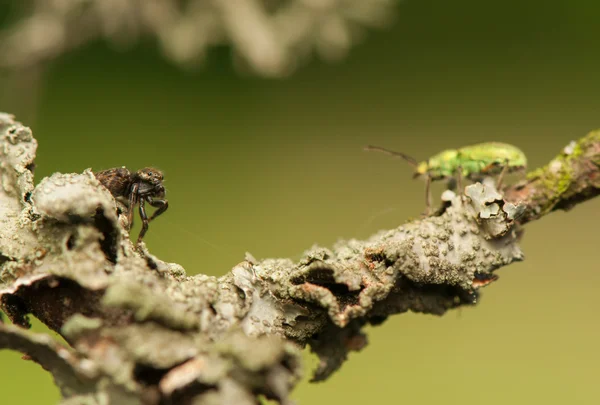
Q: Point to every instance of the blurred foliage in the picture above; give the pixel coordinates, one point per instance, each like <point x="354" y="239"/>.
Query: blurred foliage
<point x="272" y="167"/>
<point x="269" y="37"/>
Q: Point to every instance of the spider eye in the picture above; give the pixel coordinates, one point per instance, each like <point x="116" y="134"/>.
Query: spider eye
<point x="149" y="173"/>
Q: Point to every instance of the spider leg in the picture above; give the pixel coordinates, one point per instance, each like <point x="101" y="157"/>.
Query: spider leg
<point x="144" y="220"/>
<point x="133" y="197"/>
<point x="160" y="205"/>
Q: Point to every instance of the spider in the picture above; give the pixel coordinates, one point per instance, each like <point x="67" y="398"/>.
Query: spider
<point x="139" y="187"/>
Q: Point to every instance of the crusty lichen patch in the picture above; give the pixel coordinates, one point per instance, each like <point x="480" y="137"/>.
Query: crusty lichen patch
<point x="336" y="289"/>
<point x="131" y="318"/>
<point x="17" y="154"/>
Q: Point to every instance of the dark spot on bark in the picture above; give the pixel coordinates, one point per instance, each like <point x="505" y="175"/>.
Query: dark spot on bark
<point x="151" y="263"/>
<point x="16" y="310"/>
<point x="323" y="277"/>
<point x="45" y="299"/>
<point x="108" y="243"/>
<point x="378" y="256"/>
<point x="71" y="242"/>
<point x="4" y="259"/>
<point x="240" y="293"/>
<point x="148" y="375"/>
<point x="426" y="298"/>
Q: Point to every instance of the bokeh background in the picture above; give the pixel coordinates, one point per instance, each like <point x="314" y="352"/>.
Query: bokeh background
<point x="274" y="166"/>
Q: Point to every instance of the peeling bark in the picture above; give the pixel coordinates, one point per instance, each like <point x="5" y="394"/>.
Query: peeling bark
<point x="142" y="331"/>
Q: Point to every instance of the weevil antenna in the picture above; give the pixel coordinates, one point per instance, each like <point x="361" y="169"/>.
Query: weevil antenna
<point x="412" y="161"/>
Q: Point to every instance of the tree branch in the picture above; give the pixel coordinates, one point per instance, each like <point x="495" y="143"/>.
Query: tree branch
<point x="151" y="334"/>
<point x="569" y="179"/>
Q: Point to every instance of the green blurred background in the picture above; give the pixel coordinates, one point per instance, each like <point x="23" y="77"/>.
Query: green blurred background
<point x="273" y="166"/>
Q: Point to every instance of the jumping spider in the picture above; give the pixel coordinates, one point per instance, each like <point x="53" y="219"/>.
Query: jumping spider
<point x="140" y="187"/>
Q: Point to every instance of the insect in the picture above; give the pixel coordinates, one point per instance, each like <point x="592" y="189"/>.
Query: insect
<point x="472" y="162"/>
<point x="141" y="187"/>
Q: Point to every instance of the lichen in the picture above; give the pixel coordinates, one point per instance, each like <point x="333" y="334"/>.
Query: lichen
<point x="557" y="179"/>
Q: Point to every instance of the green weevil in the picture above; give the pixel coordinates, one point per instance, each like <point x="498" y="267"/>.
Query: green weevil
<point x="472" y="162"/>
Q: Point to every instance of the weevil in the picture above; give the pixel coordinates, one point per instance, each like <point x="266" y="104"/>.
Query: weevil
<point x="139" y="187"/>
<point x="472" y="162"/>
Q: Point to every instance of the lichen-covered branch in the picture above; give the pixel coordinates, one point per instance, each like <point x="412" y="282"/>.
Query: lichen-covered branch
<point x="142" y="331"/>
<point x="570" y="178"/>
<point x="71" y="373"/>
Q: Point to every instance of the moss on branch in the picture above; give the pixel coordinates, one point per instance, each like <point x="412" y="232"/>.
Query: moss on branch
<point x="571" y="177"/>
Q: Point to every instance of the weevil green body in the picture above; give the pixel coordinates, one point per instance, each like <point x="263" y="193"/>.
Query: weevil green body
<point x="473" y="162"/>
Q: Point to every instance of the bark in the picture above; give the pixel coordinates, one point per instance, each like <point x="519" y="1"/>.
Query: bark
<point x="143" y="332"/>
